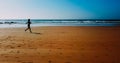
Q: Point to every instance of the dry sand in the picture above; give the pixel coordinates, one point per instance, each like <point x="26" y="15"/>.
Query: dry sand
<point x="60" y="45"/>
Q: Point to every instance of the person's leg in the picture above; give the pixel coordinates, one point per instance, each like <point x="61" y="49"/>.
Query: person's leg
<point x="26" y="29"/>
<point x="30" y="30"/>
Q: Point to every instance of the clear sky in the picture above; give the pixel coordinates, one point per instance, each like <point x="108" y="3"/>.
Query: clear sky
<point x="60" y="9"/>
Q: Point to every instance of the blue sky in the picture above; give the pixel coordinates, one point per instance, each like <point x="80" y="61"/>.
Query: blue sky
<point x="60" y="9"/>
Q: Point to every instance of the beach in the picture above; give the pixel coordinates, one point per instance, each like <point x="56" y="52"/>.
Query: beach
<point x="60" y="44"/>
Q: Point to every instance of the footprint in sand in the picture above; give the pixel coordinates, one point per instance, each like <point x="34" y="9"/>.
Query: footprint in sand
<point x="61" y="53"/>
<point x="6" y="56"/>
<point x="27" y="62"/>
<point x="18" y="46"/>
<point x="59" y="48"/>
<point x="49" y="61"/>
<point x="12" y="47"/>
<point x="96" y="56"/>
<point x="17" y="57"/>
<point x="50" y="50"/>
<point x="18" y="51"/>
<point x="82" y="48"/>
<point x="106" y="55"/>
<point x="68" y="62"/>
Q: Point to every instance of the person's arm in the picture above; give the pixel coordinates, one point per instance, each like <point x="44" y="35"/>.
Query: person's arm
<point x="26" y="23"/>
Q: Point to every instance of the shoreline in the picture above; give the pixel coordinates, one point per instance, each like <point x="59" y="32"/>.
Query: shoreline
<point x="60" y="25"/>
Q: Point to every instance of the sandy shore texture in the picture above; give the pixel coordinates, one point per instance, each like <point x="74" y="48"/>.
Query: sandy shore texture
<point x="60" y="45"/>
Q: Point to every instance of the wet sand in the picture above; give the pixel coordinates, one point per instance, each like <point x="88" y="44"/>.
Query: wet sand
<point x="60" y="45"/>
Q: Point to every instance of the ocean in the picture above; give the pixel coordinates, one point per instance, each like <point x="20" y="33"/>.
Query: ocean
<point x="11" y="23"/>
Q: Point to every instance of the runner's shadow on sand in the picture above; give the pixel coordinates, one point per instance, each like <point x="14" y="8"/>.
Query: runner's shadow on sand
<point x="36" y="33"/>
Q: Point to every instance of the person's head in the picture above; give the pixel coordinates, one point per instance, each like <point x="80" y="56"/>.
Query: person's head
<point x="28" y="19"/>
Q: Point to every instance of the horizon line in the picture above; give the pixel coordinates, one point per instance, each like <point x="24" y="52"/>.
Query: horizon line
<point x="59" y="19"/>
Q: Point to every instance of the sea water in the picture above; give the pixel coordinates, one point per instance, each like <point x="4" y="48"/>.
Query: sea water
<point x="10" y="23"/>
